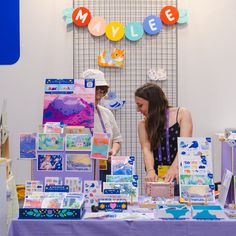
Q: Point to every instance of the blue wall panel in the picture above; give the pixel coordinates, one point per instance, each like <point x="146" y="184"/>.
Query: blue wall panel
<point x="9" y="31"/>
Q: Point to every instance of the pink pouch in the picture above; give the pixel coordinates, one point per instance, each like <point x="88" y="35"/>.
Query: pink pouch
<point x="159" y="189"/>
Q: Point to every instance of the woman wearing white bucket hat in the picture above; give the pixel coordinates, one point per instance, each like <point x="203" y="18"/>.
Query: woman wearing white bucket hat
<point x="104" y="120"/>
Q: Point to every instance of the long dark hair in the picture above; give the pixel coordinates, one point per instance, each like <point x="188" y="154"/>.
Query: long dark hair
<point x="156" y="118"/>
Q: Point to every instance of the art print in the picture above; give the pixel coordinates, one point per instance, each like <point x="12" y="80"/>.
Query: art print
<point x="78" y="142"/>
<point x="50" y="162"/>
<point x="122" y="165"/>
<point x="75" y="109"/>
<point x="78" y="162"/>
<point x="28" y="145"/>
<point x="100" y="146"/>
<point x="50" y="142"/>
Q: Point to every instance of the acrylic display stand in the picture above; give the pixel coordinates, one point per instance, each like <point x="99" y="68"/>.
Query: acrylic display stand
<point x="228" y="152"/>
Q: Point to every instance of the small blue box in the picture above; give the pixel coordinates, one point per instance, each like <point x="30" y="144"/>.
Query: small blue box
<point x="208" y="212"/>
<point x="172" y="211"/>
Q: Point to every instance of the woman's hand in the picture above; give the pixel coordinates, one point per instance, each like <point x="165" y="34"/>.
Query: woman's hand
<point x="151" y="176"/>
<point x="172" y="174"/>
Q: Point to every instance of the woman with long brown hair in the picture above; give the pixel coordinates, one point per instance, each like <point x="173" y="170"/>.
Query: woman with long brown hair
<point x="158" y="132"/>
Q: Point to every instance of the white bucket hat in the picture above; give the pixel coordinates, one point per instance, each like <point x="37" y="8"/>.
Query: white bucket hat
<point x="97" y="75"/>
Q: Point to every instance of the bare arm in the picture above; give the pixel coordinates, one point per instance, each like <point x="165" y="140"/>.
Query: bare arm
<point x="115" y="149"/>
<point x="186" y="130"/>
<point x="147" y="153"/>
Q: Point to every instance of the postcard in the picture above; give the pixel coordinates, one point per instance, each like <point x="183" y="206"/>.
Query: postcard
<point x="50" y="162"/>
<point x="78" y="142"/>
<point x="28" y="145"/>
<point x="50" y="142"/>
<point x="122" y="165"/>
<point x="100" y="146"/>
<point x="74" y="183"/>
<point x="76" y="108"/>
<point x="78" y="162"/>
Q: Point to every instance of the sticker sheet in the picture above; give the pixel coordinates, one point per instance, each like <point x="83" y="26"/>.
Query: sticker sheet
<point x="196" y="170"/>
<point x="51" y="181"/>
<point x="91" y="190"/>
<point x="74" y="183"/>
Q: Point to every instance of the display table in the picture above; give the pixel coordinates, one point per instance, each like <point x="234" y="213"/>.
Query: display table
<point x="122" y="227"/>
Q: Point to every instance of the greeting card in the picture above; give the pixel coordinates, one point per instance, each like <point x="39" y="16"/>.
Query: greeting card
<point x="100" y="146"/>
